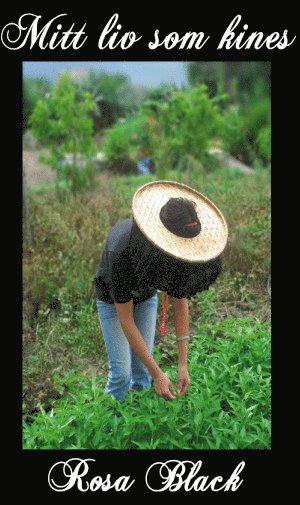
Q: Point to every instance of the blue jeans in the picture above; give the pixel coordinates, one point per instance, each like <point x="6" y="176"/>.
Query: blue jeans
<point x="125" y="368"/>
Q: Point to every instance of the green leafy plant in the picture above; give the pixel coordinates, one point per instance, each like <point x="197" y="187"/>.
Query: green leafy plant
<point x="226" y="407"/>
<point x="65" y="127"/>
<point x="122" y="143"/>
<point x="69" y="236"/>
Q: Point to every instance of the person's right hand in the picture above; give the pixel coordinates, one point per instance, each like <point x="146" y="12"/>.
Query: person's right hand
<point x="164" y="387"/>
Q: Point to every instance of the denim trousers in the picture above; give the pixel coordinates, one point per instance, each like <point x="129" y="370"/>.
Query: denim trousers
<point x="125" y="367"/>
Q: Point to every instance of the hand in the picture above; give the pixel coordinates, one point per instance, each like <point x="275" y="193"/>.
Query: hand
<point x="164" y="387"/>
<point x="183" y="380"/>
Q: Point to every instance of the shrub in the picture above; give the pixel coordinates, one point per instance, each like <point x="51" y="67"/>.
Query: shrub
<point x="122" y="142"/>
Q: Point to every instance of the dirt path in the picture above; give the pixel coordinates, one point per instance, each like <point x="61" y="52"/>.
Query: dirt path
<point x="35" y="172"/>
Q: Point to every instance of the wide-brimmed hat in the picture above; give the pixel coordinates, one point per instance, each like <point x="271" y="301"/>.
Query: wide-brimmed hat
<point x="209" y="237"/>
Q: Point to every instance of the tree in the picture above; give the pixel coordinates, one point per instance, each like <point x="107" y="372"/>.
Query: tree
<point x="186" y="125"/>
<point x="240" y="79"/>
<point x="162" y="93"/>
<point x="113" y="96"/>
<point x="203" y="72"/>
<point x="64" y="125"/>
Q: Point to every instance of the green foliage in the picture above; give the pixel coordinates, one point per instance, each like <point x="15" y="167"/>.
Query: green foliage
<point x="161" y="94"/>
<point x="65" y="339"/>
<point x="64" y="125"/>
<point x="256" y="116"/>
<point x="190" y="166"/>
<point x="204" y="72"/>
<point x="69" y="237"/>
<point x="164" y="132"/>
<point x="123" y="141"/>
<point x="254" y="82"/>
<point x="228" y="404"/>
<point x="188" y="111"/>
<point x="113" y="96"/>
<point x="243" y="81"/>
<point x="245" y="203"/>
<point x="226" y="407"/>
<point x="264" y="143"/>
<point x="34" y="89"/>
<point x="246" y="131"/>
<point x="234" y="135"/>
<point x="247" y="109"/>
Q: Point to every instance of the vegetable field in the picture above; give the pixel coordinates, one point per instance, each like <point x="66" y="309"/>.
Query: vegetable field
<point x="91" y="178"/>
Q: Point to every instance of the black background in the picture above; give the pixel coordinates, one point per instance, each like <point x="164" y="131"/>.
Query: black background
<point x="267" y="473"/>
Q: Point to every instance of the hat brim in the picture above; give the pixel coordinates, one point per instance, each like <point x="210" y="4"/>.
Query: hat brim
<point x="211" y="241"/>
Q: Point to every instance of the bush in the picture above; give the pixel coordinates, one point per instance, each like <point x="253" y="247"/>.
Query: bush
<point x="128" y="141"/>
<point x="123" y="140"/>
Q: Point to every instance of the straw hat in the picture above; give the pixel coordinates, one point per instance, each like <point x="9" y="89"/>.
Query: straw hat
<point x="209" y="243"/>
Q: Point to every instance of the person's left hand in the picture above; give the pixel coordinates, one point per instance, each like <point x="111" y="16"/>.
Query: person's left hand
<point x="183" y="380"/>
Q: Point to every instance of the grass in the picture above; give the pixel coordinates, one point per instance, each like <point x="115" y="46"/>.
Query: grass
<point x="65" y="365"/>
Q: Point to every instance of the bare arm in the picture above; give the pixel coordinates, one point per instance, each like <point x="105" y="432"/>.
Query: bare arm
<point x="181" y="314"/>
<point x="163" y="386"/>
<point x="135" y="339"/>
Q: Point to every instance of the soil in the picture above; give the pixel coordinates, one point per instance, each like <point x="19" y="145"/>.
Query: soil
<point x="35" y="172"/>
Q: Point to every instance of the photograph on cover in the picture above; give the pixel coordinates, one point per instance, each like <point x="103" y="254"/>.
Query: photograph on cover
<point x="146" y="255"/>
